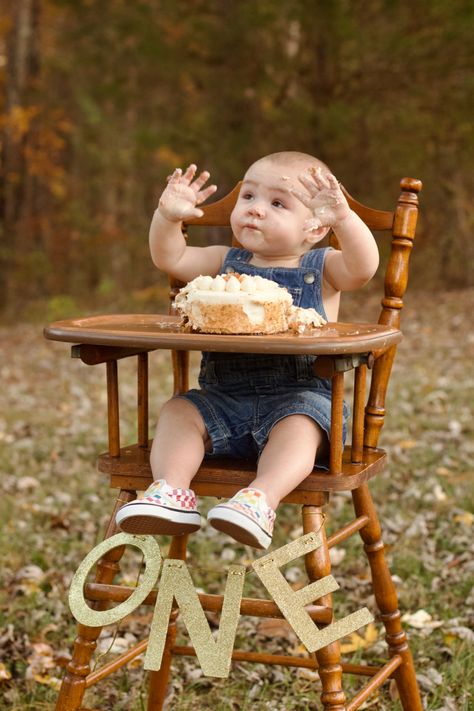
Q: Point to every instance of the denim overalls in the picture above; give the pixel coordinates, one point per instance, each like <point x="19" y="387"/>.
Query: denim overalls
<point x="242" y="395"/>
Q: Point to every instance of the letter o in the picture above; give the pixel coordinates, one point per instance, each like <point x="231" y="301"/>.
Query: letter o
<point x="98" y="618"/>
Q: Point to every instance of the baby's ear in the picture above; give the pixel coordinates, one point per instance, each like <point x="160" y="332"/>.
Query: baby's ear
<point x="316" y="234"/>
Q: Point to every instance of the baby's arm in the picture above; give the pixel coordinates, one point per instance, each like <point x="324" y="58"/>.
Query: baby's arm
<point x="168" y="247"/>
<point x="357" y="261"/>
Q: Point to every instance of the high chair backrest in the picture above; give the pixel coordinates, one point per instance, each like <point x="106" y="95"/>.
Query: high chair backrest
<point x="401" y="223"/>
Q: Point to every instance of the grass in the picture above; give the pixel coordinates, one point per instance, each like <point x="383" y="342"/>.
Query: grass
<point x="55" y="506"/>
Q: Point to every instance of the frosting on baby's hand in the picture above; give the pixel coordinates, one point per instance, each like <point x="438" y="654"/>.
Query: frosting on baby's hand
<point x="183" y="193"/>
<point x="324" y="198"/>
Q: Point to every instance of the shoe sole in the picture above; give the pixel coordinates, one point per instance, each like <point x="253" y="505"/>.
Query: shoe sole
<point x="149" y="519"/>
<point x="239" y="527"/>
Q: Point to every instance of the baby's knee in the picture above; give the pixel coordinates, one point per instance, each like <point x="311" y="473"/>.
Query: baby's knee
<point x="181" y="413"/>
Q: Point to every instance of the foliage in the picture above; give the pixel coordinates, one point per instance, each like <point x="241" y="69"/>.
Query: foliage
<point x="101" y="101"/>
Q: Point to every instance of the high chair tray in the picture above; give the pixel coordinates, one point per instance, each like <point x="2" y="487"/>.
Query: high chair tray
<point x="159" y="331"/>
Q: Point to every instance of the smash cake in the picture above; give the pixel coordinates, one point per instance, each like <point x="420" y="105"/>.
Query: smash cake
<point x="242" y="304"/>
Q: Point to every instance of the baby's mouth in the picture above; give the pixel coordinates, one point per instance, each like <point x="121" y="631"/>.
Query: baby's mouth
<point x="251" y="226"/>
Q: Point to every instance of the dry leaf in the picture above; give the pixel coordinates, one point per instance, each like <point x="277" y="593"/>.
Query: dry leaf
<point x="51" y="681"/>
<point x="308" y="674"/>
<point x="407" y="443"/>
<point x="421" y="620"/>
<point x="275" y="628"/>
<point x="459" y="632"/>
<point x="5" y="674"/>
<point x="466" y="517"/>
<point x="357" y="642"/>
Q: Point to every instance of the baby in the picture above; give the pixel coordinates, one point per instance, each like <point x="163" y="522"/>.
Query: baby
<point x="270" y="407"/>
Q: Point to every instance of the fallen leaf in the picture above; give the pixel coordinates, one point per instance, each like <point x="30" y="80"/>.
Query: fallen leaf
<point x="466" y="518"/>
<point x="275" y="628"/>
<point x="421" y="620"/>
<point x="357" y="642"/>
<point x="5" y="674"/>
<point x="51" y="681"/>
<point x="26" y="482"/>
<point x="460" y="632"/>
<point x="407" y="443"/>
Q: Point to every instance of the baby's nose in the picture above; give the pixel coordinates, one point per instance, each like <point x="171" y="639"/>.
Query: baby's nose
<point x="257" y="210"/>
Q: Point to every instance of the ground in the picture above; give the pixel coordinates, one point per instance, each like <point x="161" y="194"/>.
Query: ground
<point x="54" y="508"/>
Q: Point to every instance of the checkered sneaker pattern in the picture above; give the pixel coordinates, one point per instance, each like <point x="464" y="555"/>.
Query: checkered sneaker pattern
<point x="162" y="510"/>
<point x="164" y="495"/>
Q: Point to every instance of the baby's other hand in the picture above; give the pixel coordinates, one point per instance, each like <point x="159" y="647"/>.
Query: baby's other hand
<point x="324" y="198"/>
<point x="183" y="193"/>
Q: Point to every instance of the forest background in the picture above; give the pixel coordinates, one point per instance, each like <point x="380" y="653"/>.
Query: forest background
<point x="101" y="100"/>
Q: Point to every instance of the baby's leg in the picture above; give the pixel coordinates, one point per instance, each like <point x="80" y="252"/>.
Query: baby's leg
<point x="288" y="456"/>
<point x="179" y="444"/>
<point x="168" y="506"/>
<point x="287" y="459"/>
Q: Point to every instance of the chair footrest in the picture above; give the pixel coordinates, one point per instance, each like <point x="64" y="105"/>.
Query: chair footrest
<point x="378" y="674"/>
<point x="377" y="680"/>
<point x="224" y="477"/>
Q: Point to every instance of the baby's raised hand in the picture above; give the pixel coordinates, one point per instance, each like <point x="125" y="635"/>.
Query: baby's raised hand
<point x="324" y="198"/>
<point x="183" y="193"/>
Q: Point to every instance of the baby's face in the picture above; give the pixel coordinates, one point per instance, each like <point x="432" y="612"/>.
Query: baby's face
<point x="267" y="219"/>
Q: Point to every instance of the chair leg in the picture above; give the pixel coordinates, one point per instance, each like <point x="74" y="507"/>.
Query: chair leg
<point x="387" y="601"/>
<point x="318" y="565"/>
<point x="158" y="680"/>
<point x="73" y="685"/>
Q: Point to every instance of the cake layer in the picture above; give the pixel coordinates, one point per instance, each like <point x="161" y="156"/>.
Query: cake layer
<point x="237" y="318"/>
<point x="234" y="303"/>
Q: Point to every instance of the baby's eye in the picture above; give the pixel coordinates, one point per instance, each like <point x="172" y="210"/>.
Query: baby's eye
<point x="247" y="196"/>
<point x="277" y="203"/>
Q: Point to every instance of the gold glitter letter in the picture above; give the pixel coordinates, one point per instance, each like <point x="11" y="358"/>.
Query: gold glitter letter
<point x="292" y="602"/>
<point x="97" y="618"/>
<point x="214" y="656"/>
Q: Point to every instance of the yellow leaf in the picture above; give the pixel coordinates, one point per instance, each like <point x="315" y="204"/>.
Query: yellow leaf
<point x="5" y="675"/>
<point x="357" y="642"/>
<point x="407" y="443"/>
<point x="371" y="634"/>
<point x="466" y="517"/>
<point x="449" y="639"/>
<point x="51" y="681"/>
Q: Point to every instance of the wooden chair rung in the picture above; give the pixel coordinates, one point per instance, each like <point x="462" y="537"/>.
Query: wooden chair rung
<point x="347" y="531"/>
<point x="250" y="607"/>
<point x="116" y="664"/>
<point x="379" y="673"/>
<point x="377" y="680"/>
<point x="256" y="657"/>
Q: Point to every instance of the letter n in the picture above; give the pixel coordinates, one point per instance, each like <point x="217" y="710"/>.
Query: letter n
<point x="213" y="656"/>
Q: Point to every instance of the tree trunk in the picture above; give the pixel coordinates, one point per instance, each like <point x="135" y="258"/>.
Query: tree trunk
<point x="18" y="188"/>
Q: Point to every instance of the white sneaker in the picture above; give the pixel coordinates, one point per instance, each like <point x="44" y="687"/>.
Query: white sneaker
<point x="162" y="510"/>
<point x="246" y="517"/>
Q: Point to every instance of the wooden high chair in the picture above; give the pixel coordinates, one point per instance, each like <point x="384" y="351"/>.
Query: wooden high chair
<point x="361" y="347"/>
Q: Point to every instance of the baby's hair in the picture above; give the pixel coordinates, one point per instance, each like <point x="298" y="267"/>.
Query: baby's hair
<point x="295" y="158"/>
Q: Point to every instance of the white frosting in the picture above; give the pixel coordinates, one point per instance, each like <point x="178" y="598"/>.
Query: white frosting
<point x="232" y="289"/>
<point x="251" y="293"/>
<point x="301" y="319"/>
<point x="254" y="312"/>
